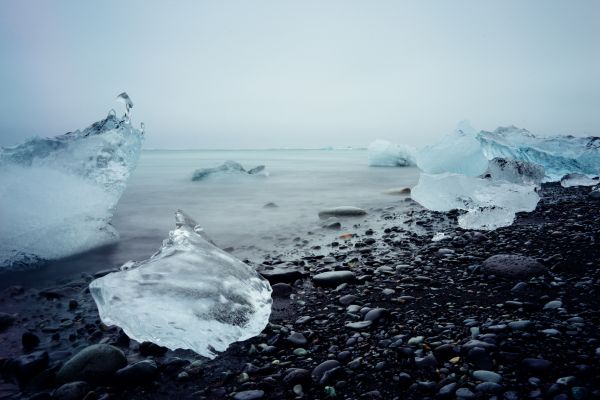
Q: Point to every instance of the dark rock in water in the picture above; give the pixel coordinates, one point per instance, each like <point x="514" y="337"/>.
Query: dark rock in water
<point x="29" y="340"/>
<point x="281" y="290"/>
<point x="333" y="278"/>
<point x="71" y="391"/>
<point x="257" y="170"/>
<point x="281" y="275"/>
<point x="346" y="211"/>
<point x="270" y="205"/>
<point x="331" y="223"/>
<point x="535" y="365"/>
<point x="249" y="395"/>
<point x="295" y="376"/>
<point x="151" y="349"/>
<point x="512" y="266"/>
<point x="94" y="364"/>
<point x="326" y="371"/>
<point x="405" y="191"/>
<point x="6" y="320"/>
<point x="138" y="374"/>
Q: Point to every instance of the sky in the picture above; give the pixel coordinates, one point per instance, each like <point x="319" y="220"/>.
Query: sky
<point x="304" y="74"/>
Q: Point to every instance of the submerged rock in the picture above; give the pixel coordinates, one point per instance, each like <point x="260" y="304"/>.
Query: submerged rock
<point x="345" y="211"/>
<point x="189" y="295"/>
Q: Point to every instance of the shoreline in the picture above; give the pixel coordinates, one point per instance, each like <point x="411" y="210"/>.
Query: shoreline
<point x="417" y="321"/>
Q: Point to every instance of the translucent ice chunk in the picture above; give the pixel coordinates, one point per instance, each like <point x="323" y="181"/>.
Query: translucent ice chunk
<point x="489" y="204"/>
<point x="189" y="295"/>
<point x="515" y="171"/>
<point x="57" y="195"/>
<point x="124" y="98"/>
<point x="577" y="180"/>
<point x="460" y="152"/>
<point x="386" y="154"/>
<point x="228" y="168"/>
<point x="559" y="155"/>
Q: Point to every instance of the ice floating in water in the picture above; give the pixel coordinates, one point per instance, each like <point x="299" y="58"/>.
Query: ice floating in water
<point x="577" y="180"/>
<point x="57" y="195"/>
<point x="559" y="155"/>
<point x="229" y="168"/>
<point x="189" y="295"/>
<point x="460" y="152"/>
<point x="515" y="171"/>
<point x="489" y="204"/>
<point x="386" y="154"/>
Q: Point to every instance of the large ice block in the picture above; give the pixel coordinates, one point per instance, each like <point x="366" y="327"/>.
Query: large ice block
<point x="489" y="204"/>
<point x="386" y="154"/>
<point x="559" y="155"/>
<point x="57" y="195"/>
<point x="459" y="152"/>
<point x="189" y="295"/>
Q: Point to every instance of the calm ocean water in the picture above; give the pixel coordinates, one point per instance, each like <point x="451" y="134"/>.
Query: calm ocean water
<point x="231" y="209"/>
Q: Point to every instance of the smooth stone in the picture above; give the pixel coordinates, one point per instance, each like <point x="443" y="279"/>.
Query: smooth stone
<point x="71" y="391"/>
<point x="448" y="390"/>
<point x="94" y="364"/>
<point x="552" y="305"/>
<point x="488" y="387"/>
<point x="249" y="395"/>
<point x="347" y="299"/>
<point x="324" y="371"/>
<point x="295" y="376"/>
<point x="519" y="325"/>
<point x="359" y="325"/>
<point x="29" y="340"/>
<point x="487" y="376"/>
<point x="140" y="373"/>
<point x="376" y="314"/>
<point x="345" y="211"/>
<point x="281" y="274"/>
<point x="333" y="278"/>
<point x="29" y="365"/>
<point x="281" y="290"/>
<point x="464" y="393"/>
<point x="512" y="266"/>
<point x="297" y="339"/>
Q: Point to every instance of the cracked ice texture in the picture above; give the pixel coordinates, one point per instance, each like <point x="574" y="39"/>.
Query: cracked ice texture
<point x="559" y="155"/>
<point x="189" y="295"/>
<point x="57" y="195"/>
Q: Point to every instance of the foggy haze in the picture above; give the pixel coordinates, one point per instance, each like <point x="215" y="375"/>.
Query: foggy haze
<point x="266" y="74"/>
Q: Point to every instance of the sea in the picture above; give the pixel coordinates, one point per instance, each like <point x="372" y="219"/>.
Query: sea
<point x="231" y="207"/>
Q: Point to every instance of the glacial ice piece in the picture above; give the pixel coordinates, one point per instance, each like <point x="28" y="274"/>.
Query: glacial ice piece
<point x="189" y="295"/>
<point x="559" y="155"/>
<point x="459" y="152"/>
<point x="570" y="180"/>
<point x="228" y="168"/>
<point x="386" y="154"/>
<point x="489" y="204"/>
<point x="515" y="171"/>
<point x="57" y="195"/>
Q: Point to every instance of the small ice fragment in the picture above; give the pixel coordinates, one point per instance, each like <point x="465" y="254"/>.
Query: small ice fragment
<point x="576" y="179"/>
<point x="439" y="236"/>
<point x="386" y="154"/>
<point x="125" y="99"/>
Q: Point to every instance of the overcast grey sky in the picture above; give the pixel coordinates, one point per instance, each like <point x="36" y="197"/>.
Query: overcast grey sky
<point x="258" y="74"/>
